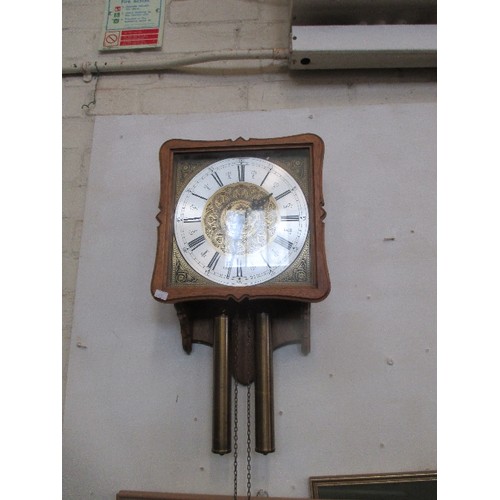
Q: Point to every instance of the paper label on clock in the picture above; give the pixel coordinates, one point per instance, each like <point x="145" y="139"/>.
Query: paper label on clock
<point x="160" y="294"/>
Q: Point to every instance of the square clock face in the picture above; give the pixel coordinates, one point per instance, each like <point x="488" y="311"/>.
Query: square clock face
<point x="241" y="219"/>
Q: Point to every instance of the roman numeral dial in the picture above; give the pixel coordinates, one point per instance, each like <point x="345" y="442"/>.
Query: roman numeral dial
<point x="241" y="221"/>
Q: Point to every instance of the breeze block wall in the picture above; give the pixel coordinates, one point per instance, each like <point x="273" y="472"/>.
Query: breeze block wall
<point x="194" y="26"/>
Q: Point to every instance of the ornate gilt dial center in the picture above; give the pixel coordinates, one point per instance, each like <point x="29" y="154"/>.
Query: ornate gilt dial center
<point x="240" y="218"/>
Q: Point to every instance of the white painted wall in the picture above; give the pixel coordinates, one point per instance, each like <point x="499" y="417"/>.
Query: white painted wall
<point x="364" y="399"/>
<point x="138" y="410"/>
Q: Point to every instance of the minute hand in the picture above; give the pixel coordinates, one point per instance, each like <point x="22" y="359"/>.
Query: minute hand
<point x="260" y="203"/>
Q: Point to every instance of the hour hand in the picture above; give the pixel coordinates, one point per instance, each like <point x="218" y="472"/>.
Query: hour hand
<point x="260" y="203"/>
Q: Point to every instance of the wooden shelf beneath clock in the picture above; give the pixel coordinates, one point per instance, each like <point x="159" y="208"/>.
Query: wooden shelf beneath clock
<point x="290" y="324"/>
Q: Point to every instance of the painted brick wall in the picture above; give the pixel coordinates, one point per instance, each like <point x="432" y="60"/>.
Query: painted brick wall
<point x="192" y="26"/>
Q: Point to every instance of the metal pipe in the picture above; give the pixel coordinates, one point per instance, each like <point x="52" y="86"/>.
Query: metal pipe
<point x="128" y="66"/>
<point x="221" y="416"/>
<point x="264" y="396"/>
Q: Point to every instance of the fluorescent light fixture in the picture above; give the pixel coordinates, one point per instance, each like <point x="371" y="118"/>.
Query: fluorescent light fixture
<point x="363" y="46"/>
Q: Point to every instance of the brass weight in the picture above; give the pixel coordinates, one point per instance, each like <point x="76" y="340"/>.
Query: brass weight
<point x="264" y="396"/>
<point x="221" y="417"/>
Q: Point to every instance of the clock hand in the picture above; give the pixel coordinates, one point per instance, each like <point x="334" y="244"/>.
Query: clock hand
<point x="258" y="204"/>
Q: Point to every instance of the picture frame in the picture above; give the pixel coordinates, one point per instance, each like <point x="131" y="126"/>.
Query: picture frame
<point x="387" y="486"/>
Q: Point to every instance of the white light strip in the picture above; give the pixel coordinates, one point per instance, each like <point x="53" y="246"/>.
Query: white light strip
<point x="363" y="46"/>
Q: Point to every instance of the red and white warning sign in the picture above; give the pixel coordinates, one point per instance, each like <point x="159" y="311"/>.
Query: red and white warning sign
<point x="133" y="24"/>
<point x="132" y="38"/>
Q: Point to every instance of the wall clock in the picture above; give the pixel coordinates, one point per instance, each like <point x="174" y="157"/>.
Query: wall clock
<point x="241" y="255"/>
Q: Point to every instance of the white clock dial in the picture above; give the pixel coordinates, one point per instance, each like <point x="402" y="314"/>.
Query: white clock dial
<point x="241" y="221"/>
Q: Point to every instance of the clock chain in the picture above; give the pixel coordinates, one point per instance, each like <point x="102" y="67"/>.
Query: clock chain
<point x="235" y="436"/>
<point x="249" y="409"/>
<point x="249" y="434"/>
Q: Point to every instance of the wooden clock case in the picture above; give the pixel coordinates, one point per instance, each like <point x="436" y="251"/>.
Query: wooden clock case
<point x="288" y="304"/>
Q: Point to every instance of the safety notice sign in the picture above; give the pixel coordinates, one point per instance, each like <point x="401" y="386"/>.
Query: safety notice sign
<point x="132" y="24"/>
